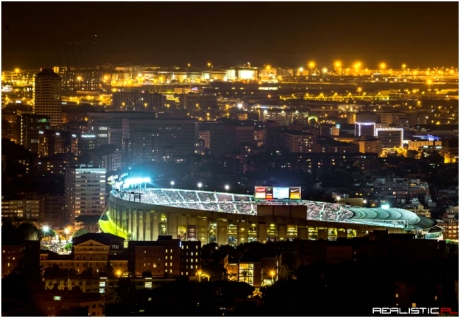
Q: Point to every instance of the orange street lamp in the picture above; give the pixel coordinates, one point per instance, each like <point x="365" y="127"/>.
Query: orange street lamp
<point x="272" y="273"/>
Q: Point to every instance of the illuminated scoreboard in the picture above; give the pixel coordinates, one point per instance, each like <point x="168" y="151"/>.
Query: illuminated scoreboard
<point x="277" y="193"/>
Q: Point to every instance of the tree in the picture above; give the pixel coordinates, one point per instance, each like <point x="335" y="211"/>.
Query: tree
<point x="80" y="232"/>
<point x="109" y="269"/>
<point x="87" y="272"/>
<point x="27" y="232"/>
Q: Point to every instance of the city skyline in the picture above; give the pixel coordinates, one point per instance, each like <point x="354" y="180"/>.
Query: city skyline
<point x="288" y="34"/>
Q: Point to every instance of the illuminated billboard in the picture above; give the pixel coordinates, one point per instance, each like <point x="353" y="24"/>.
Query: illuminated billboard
<point x="277" y="193"/>
<point x="281" y="193"/>
<point x="294" y="193"/>
<point x="259" y="193"/>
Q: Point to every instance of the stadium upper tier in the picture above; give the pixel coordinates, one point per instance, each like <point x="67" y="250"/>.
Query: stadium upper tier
<point x="246" y="204"/>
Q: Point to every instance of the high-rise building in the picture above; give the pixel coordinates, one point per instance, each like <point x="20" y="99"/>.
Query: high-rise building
<point x="363" y="129"/>
<point x="107" y="125"/>
<point x="227" y="137"/>
<point x="29" y="128"/>
<point x="84" y="192"/>
<point x="390" y="137"/>
<point x="47" y="95"/>
<point x="160" y="139"/>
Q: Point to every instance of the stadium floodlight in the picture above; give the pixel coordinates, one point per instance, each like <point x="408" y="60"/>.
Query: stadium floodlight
<point x="135" y="181"/>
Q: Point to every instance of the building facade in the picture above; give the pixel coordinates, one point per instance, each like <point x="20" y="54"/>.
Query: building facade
<point x="47" y="96"/>
<point x="84" y="192"/>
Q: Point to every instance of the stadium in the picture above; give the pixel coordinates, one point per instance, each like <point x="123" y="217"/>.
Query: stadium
<point x="228" y="218"/>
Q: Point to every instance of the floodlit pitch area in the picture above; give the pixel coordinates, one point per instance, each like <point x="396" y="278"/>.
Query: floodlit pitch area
<point x="192" y="214"/>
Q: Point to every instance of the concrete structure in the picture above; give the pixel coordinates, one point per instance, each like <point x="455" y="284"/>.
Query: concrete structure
<point x="227" y="137"/>
<point x="21" y="209"/>
<point x="160" y="139"/>
<point x="390" y="137"/>
<point x="47" y="96"/>
<point x="369" y="145"/>
<point x="29" y="127"/>
<point x="227" y="218"/>
<point x="84" y="192"/>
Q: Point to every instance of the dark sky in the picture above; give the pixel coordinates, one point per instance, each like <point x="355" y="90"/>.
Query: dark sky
<point x="421" y="34"/>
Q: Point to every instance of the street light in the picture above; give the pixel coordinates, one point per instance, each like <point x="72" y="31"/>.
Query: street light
<point x="66" y="231"/>
<point x="227" y="187"/>
<point x="46" y="228"/>
<point x="172" y="184"/>
<point x="272" y="273"/>
<point x="199" y="185"/>
<point x="199" y="275"/>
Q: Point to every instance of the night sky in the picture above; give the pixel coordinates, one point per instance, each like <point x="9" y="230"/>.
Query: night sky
<point x="421" y="34"/>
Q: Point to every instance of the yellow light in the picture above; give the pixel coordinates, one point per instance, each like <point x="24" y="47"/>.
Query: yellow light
<point x="311" y="64"/>
<point x="300" y="69"/>
<point x="324" y="70"/>
<point x="16" y="70"/>
<point x="338" y="64"/>
<point x="383" y="66"/>
<point x="118" y="272"/>
<point x="79" y="78"/>
<point x="268" y="67"/>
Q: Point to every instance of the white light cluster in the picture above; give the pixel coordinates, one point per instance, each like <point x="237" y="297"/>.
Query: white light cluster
<point x="134" y="181"/>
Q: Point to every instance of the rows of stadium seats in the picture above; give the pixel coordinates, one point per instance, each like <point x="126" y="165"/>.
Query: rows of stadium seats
<point x="220" y="202"/>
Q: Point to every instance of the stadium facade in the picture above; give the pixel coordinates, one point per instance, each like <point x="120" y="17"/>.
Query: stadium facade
<point x="227" y="218"/>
